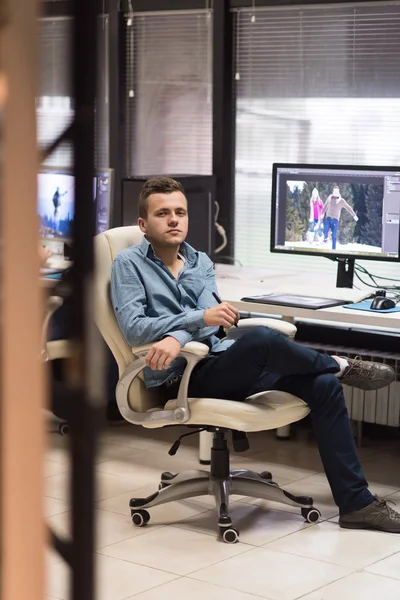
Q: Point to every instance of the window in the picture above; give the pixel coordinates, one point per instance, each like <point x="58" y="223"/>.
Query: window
<point x="54" y="105"/>
<point x="169" y="93"/>
<point x="316" y="85"/>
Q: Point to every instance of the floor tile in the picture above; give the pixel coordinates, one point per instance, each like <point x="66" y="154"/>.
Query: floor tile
<point x="174" y="550"/>
<point x="358" y="585"/>
<point x="326" y="541"/>
<point x="53" y="506"/>
<point x="258" y="464"/>
<point x="146" y="467"/>
<point x="115" y="580"/>
<point x="140" y="438"/>
<point x="257" y="525"/>
<point x="110" y="527"/>
<point x="388" y="567"/>
<point x="52" y="468"/>
<point x="383" y="469"/>
<point x="271" y="575"/>
<point x="321" y="495"/>
<point x="376" y="487"/>
<point x="165" y="513"/>
<point x="107" y="450"/>
<point x="58" y="454"/>
<point x="184" y="588"/>
<point x="108" y="485"/>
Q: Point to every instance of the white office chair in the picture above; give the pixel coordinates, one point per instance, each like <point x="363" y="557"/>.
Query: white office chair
<point x="141" y="406"/>
<point x="54" y="350"/>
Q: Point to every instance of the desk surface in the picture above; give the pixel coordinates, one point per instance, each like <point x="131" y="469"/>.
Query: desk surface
<point x="232" y="290"/>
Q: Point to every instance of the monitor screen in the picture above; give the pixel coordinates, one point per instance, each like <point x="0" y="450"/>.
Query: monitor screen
<point x="336" y="211"/>
<point x="56" y="198"/>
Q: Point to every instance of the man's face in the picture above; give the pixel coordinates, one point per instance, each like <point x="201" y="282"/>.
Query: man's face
<point x="167" y="219"/>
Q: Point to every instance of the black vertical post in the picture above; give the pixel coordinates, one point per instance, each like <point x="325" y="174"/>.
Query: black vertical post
<point x="117" y="61"/>
<point x="82" y="412"/>
<point x="224" y="118"/>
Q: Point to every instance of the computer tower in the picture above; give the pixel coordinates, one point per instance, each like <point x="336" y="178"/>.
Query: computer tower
<point x="200" y="194"/>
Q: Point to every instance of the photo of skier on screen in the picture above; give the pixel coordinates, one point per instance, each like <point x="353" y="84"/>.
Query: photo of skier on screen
<point x="316" y="216"/>
<point x="57" y="200"/>
<point x="333" y="207"/>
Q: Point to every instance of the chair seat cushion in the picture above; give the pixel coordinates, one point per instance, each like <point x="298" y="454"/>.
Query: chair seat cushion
<point x="263" y="411"/>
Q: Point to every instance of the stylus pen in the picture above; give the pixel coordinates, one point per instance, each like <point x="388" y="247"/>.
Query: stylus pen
<point x="218" y="299"/>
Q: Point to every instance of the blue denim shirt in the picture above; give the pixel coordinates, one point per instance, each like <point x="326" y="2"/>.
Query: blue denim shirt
<point x="150" y="304"/>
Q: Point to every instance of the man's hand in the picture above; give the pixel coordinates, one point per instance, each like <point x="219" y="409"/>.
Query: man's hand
<point x="222" y="315"/>
<point x="162" y="353"/>
<point x="355" y="218"/>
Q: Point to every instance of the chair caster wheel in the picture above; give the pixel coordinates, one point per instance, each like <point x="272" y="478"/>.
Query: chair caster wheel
<point x="311" y="515"/>
<point x="64" y="429"/>
<point x="266" y="475"/>
<point x="140" y="518"/>
<point x="167" y="476"/>
<point x="230" y="535"/>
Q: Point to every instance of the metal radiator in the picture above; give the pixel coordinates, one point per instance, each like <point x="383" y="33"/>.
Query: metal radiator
<point x="381" y="406"/>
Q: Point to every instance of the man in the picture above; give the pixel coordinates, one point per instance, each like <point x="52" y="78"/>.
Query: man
<point x="162" y="292"/>
<point x="332" y="210"/>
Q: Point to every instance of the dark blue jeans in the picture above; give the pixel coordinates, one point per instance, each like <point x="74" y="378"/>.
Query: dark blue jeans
<point x="263" y="359"/>
<point x="333" y="225"/>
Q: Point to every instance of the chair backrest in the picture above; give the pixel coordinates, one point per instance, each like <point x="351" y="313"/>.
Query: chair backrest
<point x="107" y="246"/>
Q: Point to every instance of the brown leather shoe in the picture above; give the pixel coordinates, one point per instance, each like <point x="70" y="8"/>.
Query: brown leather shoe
<point x="367" y="375"/>
<point x="378" y="515"/>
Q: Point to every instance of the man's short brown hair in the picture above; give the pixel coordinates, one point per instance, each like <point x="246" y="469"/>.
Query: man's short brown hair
<point x="157" y="185"/>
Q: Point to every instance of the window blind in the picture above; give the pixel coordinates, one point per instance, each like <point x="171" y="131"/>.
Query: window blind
<point x="169" y="93"/>
<point x="315" y="85"/>
<point x="54" y="104"/>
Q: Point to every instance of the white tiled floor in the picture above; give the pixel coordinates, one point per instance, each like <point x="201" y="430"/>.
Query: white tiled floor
<point x="178" y="555"/>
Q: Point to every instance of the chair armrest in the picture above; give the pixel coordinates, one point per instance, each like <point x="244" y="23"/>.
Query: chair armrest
<point x="52" y="304"/>
<point x="193" y="352"/>
<point x="277" y="324"/>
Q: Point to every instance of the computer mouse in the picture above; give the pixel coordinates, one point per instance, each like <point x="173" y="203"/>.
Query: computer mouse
<point x="382" y="303"/>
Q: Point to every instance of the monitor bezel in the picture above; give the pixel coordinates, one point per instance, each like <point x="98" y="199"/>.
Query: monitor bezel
<point x="331" y="255"/>
<point x="111" y="174"/>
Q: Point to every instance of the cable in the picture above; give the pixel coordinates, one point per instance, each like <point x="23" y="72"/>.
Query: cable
<point x="365" y="271"/>
<point x="220" y="230"/>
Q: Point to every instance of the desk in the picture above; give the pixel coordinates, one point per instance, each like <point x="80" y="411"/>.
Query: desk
<point x="232" y="287"/>
<point x="232" y="290"/>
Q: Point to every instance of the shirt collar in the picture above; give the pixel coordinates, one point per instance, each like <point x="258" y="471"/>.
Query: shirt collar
<point x="189" y="253"/>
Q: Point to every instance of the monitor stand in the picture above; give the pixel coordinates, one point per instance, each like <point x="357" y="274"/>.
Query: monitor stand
<point x="345" y="272"/>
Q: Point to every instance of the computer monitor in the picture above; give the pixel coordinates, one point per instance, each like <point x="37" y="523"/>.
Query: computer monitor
<point x="56" y="203"/>
<point x="339" y="212"/>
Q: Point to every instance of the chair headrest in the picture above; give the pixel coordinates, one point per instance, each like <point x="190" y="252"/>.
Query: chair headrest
<point x="121" y="238"/>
